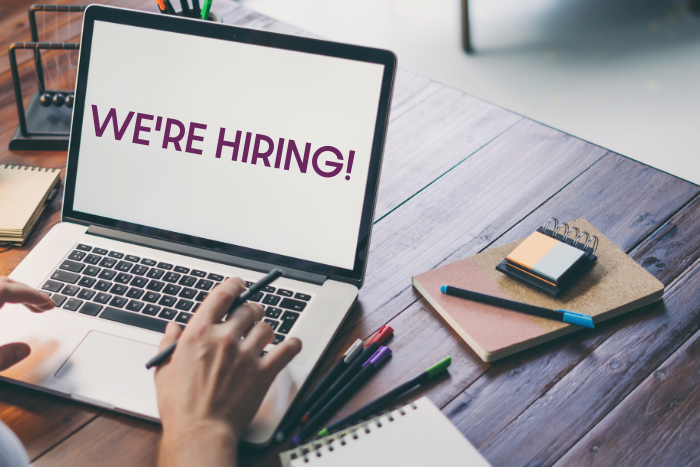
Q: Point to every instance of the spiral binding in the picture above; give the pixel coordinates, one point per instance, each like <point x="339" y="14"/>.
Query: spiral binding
<point x="27" y="167"/>
<point x="591" y="240"/>
<point x="315" y="448"/>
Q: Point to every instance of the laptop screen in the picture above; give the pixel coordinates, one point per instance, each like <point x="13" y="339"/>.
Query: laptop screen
<point x="259" y="147"/>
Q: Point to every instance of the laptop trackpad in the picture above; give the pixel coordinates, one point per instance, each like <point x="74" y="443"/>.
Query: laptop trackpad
<point x="113" y="364"/>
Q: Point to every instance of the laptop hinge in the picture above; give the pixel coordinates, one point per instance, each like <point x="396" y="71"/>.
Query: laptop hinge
<point x="201" y="253"/>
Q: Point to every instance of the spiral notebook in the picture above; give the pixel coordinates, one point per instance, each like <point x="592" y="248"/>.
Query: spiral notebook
<point x="24" y="193"/>
<point x="417" y="434"/>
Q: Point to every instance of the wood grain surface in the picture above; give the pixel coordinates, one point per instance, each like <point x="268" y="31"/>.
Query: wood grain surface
<point x="459" y="176"/>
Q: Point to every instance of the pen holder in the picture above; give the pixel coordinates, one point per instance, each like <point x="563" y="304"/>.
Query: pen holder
<point x="213" y="16"/>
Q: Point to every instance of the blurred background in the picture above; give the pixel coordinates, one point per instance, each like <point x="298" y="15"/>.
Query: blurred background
<point x="623" y="74"/>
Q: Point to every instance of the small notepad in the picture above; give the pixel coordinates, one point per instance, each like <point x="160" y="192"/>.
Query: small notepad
<point x="24" y="192"/>
<point x="546" y="256"/>
<point x="415" y="435"/>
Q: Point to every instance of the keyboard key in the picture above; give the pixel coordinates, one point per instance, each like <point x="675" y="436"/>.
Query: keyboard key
<point x="91" y="309"/>
<point x="71" y="266"/>
<point x="52" y="286"/>
<point x="118" y="289"/>
<point x="302" y="296"/>
<point x="184" y="305"/>
<point x="188" y="281"/>
<point x="86" y="281"/>
<point x="114" y="254"/>
<point x="204" y="284"/>
<point x="201" y="296"/>
<point x="165" y="266"/>
<point x="139" y="270"/>
<point x="107" y="274"/>
<point x="155" y="285"/>
<point x="215" y="277"/>
<point x="133" y="319"/>
<point x="108" y="262"/>
<point x="198" y="273"/>
<point x="58" y="299"/>
<point x="295" y="305"/>
<point x="183" y="317"/>
<point x="271" y="299"/>
<point x="103" y="298"/>
<point x="123" y="278"/>
<point x="123" y="266"/>
<point x="71" y="290"/>
<point x="86" y="294"/>
<point x="188" y="293"/>
<point x="91" y="271"/>
<point x="83" y="247"/>
<point x="135" y="293"/>
<point x="288" y="320"/>
<point x="77" y="255"/>
<point x="92" y="259"/>
<point x="148" y="262"/>
<point x="155" y="273"/>
<point x="272" y="312"/>
<point x="182" y="269"/>
<point x="273" y="324"/>
<point x="118" y="302"/>
<point x="139" y="282"/>
<point x="171" y="277"/>
<point x="72" y="304"/>
<point x="284" y="292"/>
<point x="151" y="297"/>
<point x="172" y="289"/>
<point x="256" y="297"/>
<point x="100" y="251"/>
<point x="167" y="300"/>
<point x="102" y="286"/>
<point x="152" y="310"/>
<point x="167" y="314"/>
<point x="278" y="338"/>
<point x="65" y="276"/>
<point x="132" y="258"/>
<point x="196" y="305"/>
<point x="134" y="306"/>
<point x="269" y="289"/>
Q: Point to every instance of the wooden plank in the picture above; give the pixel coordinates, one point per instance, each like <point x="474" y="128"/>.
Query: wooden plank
<point x="657" y="423"/>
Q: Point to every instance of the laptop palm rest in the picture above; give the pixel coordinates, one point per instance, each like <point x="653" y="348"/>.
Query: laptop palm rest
<point x="111" y="363"/>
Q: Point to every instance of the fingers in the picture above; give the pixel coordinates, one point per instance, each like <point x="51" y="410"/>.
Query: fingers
<point x="172" y="333"/>
<point x="280" y="356"/>
<point x="13" y="353"/>
<point x="218" y="302"/>
<point x="259" y="336"/>
<point x="243" y="319"/>
<point x="16" y="292"/>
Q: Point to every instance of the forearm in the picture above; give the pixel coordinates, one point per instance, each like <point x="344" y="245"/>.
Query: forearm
<point x="210" y="446"/>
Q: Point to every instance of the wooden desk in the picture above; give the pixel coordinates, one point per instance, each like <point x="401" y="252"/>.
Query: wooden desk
<point x="460" y="176"/>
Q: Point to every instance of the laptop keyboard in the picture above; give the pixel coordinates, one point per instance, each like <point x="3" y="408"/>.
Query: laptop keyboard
<point x="148" y="294"/>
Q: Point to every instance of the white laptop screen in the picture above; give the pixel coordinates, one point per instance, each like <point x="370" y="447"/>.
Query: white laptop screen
<point x="252" y="146"/>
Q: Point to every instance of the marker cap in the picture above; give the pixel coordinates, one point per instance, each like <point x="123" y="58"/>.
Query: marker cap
<point x="382" y="335"/>
<point x="353" y="351"/>
<point x="439" y="367"/>
<point x="379" y="356"/>
<point x="577" y="318"/>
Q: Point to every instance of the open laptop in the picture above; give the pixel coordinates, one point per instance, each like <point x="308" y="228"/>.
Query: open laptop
<point x="202" y="151"/>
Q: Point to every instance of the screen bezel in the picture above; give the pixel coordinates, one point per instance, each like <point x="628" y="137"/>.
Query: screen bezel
<point x="230" y="33"/>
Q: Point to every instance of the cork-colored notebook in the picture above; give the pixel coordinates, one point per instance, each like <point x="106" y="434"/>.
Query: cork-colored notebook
<point x="616" y="284"/>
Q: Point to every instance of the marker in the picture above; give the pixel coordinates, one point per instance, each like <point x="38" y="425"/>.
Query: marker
<point x="556" y="315"/>
<point x="161" y="6"/>
<point x="338" y="368"/>
<point x="169" y="7"/>
<point x="240" y="300"/>
<point x="205" y="9"/>
<point x="195" y="9"/>
<point x="374" y="406"/>
<point x="379" y="338"/>
<point x="185" y="8"/>
<point x="369" y="368"/>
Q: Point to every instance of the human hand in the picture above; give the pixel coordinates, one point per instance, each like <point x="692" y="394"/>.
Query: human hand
<point x="15" y="292"/>
<point x="216" y="379"/>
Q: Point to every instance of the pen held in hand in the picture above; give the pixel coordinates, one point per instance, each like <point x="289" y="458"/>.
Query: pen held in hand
<point x="240" y="300"/>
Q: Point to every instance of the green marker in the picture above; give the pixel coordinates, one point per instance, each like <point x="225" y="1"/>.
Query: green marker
<point x="205" y="9"/>
<point x="377" y="404"/>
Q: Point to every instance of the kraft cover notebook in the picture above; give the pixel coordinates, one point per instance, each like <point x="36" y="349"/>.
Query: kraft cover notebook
<point x="415" y="435"/>
<point x="615" y="284"/>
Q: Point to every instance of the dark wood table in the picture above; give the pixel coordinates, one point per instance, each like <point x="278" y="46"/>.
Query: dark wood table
<point x="461" y="176"/>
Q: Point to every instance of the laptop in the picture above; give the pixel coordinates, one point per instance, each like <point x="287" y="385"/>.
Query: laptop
<point x="201" y="151"/>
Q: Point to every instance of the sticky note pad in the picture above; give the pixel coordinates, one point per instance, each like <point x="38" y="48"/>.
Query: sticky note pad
<point x="546" y="256"/>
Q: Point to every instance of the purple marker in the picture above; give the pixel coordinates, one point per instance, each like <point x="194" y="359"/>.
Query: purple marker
<point x="368" y="369"/>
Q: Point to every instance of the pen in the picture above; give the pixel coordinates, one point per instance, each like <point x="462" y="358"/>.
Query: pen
<point x="369" y="368"/>
<point x="338" y="368"/>
<point x="169" y="7"/>
<point x="379" y="338"/>
<point x="380" y="402"/>
<point x="240" y="300"/>
<point x="161" y="7"/>
<point x="185" y="8"/>
<point x="205" y="9"/>
<point x="556" y="315"/>
<point x="195" y="8"/>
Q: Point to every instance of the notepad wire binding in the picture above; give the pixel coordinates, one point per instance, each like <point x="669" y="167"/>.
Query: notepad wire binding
<point x="591" y="240"/>
<point x="26" y="167"/>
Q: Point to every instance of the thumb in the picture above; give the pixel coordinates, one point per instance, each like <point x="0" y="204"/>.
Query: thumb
<point x="13" y="353"/>
<point x="172" y="333"/>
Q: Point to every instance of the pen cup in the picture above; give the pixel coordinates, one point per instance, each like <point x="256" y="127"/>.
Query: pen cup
<point x="213" y="16"/>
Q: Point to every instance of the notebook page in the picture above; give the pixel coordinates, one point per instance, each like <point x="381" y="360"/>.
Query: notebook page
<point x="22" y="192"/>
<point x="422" y="437"/>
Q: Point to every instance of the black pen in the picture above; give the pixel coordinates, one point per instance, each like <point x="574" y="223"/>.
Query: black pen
<point x="196" y="9"/>
<point x="185" y="8"/>
<point x="169" y="7"/>
<point x="255" y="288"/>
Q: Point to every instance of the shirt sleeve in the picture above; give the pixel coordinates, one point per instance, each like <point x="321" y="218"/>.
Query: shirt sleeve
<point x="12" y="453"/>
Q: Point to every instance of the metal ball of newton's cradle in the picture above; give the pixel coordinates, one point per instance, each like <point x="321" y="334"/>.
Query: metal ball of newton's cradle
<point x="69" y="100"/>
<point x="46" y="99"/>
<point x="58" y="99"/>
